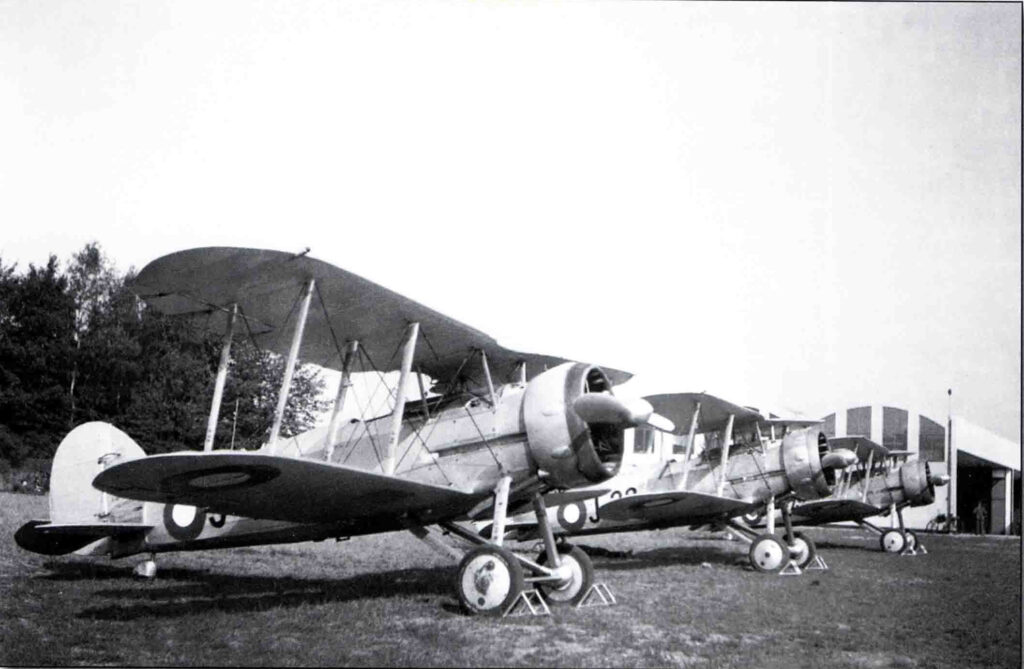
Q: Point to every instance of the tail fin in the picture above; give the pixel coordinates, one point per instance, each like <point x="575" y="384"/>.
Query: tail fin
<point x="85" y="452"/>
<point x="81" y="515"/>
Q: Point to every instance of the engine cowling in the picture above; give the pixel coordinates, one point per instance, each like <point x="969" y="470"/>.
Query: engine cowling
<point x="571" y="451"/>
<point x="917" y="483"/>
<point x="802" y="452"/>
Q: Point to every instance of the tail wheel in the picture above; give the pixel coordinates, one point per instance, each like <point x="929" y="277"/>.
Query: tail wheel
<point x="893" y="541"/>
<point x="489" y="580"/>
<point x="754" y="517"/>
<point x="768" y="554"/>
<point x="578" y="579"/>
<point x="802" y="550"/>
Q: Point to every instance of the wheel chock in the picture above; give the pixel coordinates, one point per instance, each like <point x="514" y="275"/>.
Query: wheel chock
<point x="528" y="603"/>
<point x="598" y="595"/>
<point x="908" y="551"/>
<point x="817" y="564"/>
<point x="791" y="569"/>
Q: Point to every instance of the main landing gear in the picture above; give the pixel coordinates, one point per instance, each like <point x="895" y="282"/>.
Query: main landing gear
<point x="897" y="540"/>
<point x="771" y="555"/>
<point x="492" y="580"/>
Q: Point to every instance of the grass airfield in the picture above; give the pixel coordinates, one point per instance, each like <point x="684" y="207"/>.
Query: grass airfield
<point x="685" y="599"/>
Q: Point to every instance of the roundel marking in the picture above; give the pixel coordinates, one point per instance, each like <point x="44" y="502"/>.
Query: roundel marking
<point x="228" y="477"/>
<point x="183" y="522"/>
<point x="572" y="516"/>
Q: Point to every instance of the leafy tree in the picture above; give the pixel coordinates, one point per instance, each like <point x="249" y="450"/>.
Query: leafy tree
<point x="81" y="346"/>
<point x="36" y="345"/>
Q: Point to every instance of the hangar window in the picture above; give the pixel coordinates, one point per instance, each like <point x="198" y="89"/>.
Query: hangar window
<point x="858" y="422"/>
<point x="894" y="428"/>
<point x="643" y="440"/>
<point x="829" y="425"/>
<point x="931" y="441"/>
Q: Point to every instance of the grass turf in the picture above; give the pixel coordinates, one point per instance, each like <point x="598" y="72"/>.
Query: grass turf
<point x="686" y="599"/>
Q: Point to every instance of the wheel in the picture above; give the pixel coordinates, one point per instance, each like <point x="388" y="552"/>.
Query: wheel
<point x="579" y="578"/>
<point x="893" y="541"/>
<point x="911" y="540"/>
<point x="768" y="554"/>
<point x="146" y="570"/>
<point x="803" y="550"/>
<point x="489" y="580"/>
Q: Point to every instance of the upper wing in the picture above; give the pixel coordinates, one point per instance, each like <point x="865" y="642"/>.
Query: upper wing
<point x="862" y="446"/>
<point x="204" y="282"/>
<point x="278" y="488"/>
<point x="673" y="506"/>
<point x="834" y="510"/>
<point x="714" y="412"/>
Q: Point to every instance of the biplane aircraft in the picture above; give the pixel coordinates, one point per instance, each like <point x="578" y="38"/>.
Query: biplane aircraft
<point x="503" y="429"/>
<point x="747" y="461"/>
<point x="876" y="485"/>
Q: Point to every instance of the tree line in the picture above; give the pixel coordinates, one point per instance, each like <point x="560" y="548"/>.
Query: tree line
<point x="76" y="345"/>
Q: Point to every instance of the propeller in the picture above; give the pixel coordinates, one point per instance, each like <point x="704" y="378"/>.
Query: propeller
<point x="840" y="458"/>
<point x="607" y="408"/>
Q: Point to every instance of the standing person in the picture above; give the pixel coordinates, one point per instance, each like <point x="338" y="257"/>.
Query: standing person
<point x="979" y="518"/>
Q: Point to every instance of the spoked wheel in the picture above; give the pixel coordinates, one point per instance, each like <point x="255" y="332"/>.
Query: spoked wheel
<point x="489" y="580"/>
<point x="579" y="576"/>
<point x="911" y="540"/>
<point x="893" y="541"/>
<point x="768" y="554"/>
<point x="802" y="550"/>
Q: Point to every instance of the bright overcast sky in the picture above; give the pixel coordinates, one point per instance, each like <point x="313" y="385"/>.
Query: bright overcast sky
<point x="797" y="206"/>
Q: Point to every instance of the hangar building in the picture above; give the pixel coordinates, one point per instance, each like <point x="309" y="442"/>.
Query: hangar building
<point x="985" y="467"/>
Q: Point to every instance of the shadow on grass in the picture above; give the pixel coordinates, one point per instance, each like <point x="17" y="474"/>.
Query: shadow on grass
<point x="668" y="557"/>
<point x="198" y="591"/>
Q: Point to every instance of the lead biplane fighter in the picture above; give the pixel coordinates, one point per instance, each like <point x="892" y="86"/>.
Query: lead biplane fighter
<point x="876" y="485"/>
<point x="478" y="448"/>
<point x="740" y="469"/>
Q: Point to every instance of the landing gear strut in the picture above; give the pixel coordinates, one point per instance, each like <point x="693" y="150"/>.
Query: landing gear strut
<point x="492" y="578"/>
<point x="770" y="554"/>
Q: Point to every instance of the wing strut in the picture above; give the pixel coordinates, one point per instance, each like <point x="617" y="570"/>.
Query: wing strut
<point x="726" y="441"/>
<point x="351" y="350"/>
<point x="490" y="383"/>
<point x="689" y="446"/>
<point x="222" y="373"/>
<point x="408" y="350"/>
<point x="289" y="367"/>
<point x="867" y="476"/>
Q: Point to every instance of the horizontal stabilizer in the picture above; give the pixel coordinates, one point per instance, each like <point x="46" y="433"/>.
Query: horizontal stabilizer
<point x="278" y="488"/>
<point x="46" y="538"/>
<point x="674" y="506"/>
<point x="834" y="510"/>
<point x="862" y="446"/>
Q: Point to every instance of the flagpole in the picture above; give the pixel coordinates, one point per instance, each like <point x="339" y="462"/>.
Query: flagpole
<point x="950" y="464"/>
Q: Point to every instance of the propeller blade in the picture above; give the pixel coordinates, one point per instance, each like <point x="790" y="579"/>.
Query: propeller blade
<point x="839" y="459"/>
<point x="607" y="408"/>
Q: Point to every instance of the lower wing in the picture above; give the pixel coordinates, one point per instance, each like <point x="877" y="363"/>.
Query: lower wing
<point x="834" y="510"/>
<point x="674" y="506"/>
<point x="278" y="488"/>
